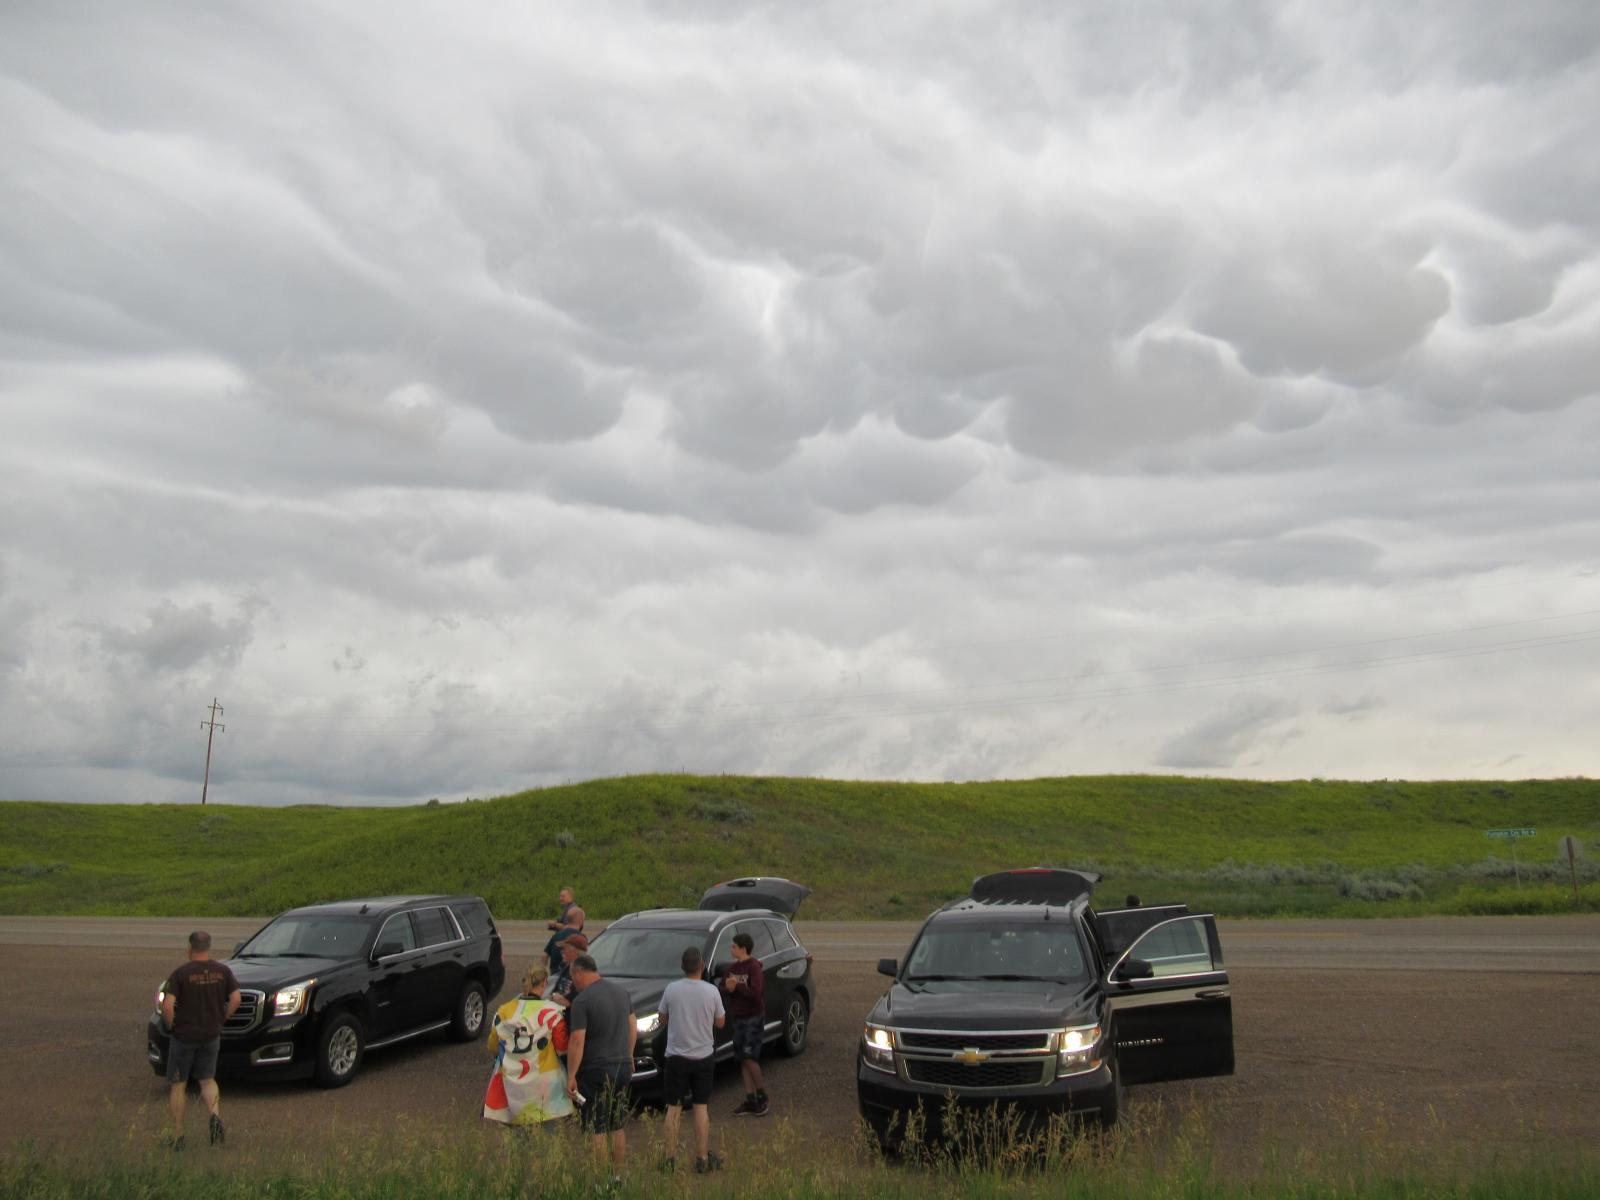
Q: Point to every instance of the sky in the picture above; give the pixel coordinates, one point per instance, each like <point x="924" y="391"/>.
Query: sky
<point x="475" y="399"/>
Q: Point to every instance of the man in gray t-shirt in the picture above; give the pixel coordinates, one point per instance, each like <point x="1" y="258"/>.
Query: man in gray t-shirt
<point x="600" y="1057"/>
<point x="693" y="1011"/>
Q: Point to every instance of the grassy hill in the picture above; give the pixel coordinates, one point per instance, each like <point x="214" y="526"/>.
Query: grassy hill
<point x="884" y="850"/>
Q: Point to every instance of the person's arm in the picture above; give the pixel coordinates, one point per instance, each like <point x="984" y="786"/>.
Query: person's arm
<point x="633" y="1035"/>
<point x="574" y="918"/>
<point x="233" y="1003"/>
<point x="757" y="982"/>
<point x="722" y="1013"/>
<point x="575" y="1041"/>
<point x="169" y="1004"/>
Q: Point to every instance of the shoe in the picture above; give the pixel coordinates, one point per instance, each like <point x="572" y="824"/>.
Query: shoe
<point x="174" y="1143"/>
<point x="761" y="1107"/>
<point x="746" y="1107"/>
<point x="704" y="1166"/>
<point x="667" y="1166"/>
<point x="219" y="1131"/>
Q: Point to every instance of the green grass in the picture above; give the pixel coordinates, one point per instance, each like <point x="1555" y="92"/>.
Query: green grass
<point x="870" y="850"/>
<point x="461" y="1159"/>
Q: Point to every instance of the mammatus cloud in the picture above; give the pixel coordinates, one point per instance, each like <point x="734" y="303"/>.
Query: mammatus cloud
<point x="919" y="394"/>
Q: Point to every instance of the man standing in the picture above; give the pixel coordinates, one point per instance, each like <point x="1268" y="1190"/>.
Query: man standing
<point x="747" y="1006"/>
<point x="600" y="1045"/>
<point x="568" y="923"/>
<point x="692" y="1009"/>
<point x="195" y="1001"/>
<point x="562" y="989"/>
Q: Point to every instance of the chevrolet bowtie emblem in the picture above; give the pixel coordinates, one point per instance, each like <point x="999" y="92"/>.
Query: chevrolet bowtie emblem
<point x="972" y="1057"/>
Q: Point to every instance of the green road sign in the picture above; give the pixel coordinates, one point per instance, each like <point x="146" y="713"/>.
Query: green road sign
<point x="1510" y="833"/>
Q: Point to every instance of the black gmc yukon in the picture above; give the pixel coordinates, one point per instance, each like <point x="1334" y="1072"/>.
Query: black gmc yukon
<point x="324" y="984"/>
<point x="1022" y="994"/>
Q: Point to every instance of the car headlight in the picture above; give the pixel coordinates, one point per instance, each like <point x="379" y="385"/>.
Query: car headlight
<point x="161" y="993"/>
<point x="292" y="1000"/>
<point x="877" y="1047"/>
<point x="649" y="1023"/>
<point x="1077" y="1049"/>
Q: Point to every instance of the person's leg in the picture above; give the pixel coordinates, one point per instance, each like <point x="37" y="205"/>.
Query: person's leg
<point x="702" y="1130"/>
<point x="177" y="1102"/>
<point x="619" y="1149"/>
<point x="212" y="1096"/>
<point x="669" y="1131"/>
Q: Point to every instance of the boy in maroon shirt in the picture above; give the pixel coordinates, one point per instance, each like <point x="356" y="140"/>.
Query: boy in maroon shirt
<point x="746" y="1001"/>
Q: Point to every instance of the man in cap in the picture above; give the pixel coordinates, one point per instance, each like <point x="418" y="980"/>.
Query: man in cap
<point x="561" y="988"/>
<point x="197" y="998"/>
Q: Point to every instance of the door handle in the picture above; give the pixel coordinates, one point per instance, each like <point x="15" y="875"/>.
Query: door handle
<point x="1212" y="994"/>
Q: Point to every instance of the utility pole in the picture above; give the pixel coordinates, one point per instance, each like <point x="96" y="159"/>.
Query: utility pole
<point x="211" y="727"/>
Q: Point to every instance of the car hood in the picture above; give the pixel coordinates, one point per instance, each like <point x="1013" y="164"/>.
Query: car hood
<point x="269" y="973"/>
<point x="1047" y="1007"/>
<point x="645" y="993"/>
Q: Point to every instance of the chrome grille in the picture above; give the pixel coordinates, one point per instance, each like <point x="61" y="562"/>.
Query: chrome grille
<point x="248" y="1015"/>
<point x="1011" y="1072"/>
<point x="987" y="1042"/>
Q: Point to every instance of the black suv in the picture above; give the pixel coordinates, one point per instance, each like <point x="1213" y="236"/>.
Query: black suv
<point x="322" y="985"/>
<point x="1023" y="994"/>
<point x="643" y="951"/>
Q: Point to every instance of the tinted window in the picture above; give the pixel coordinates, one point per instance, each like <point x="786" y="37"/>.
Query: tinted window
<point x="782" y="935"/>
<point x="397" y="932"/>
<point x="1177" y="948"/>
<point x="474" y="917"/>
<point x="760" y="935"/>
<point x="1033" y="952"/>
<point x="433" y="927"/>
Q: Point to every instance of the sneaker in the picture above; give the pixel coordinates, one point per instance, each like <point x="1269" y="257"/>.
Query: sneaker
<point x="761" y="1107"/>
<point x="746" y="1107"/>
<point x="174" y="1142"/>
<point x="704" y="1166"/>
<point x="219" y="1131"/>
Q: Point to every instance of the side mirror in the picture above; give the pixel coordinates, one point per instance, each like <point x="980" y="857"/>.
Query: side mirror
<point x="1134" y="968"/>
<point x="385" y="950"/>
<point x="889" y="967"/>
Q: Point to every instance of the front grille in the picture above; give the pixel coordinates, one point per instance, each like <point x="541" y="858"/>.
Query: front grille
<point x="987" y="1042"/>
<point x="1028" y="1072"/>
<point x="248" y="1015"/>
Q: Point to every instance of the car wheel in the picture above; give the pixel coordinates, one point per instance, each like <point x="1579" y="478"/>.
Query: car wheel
<point x="796" y="1025"/>
<point x="470" y="1007"/>
<point x="339" y="1050"/>
<point x="1111" y="1111"/>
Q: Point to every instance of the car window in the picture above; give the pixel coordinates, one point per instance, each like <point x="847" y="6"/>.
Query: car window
<point x="474" y="917"/>
<point x="626" y="952"/>
<point x="397" y="931"/>
<point x="433" y="927"/>
<point x="1036" y="951"/>
<point x="316" y="936"/>
<point x="761" y="936"/>
<point x="1178" y="947"/>
<point x="782" y="936"/>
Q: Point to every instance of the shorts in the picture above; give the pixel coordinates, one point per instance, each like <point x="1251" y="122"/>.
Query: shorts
<point x="192" y="1060"/>
<point x="605" y="1092"/>
<point x="747" y="1038"/>
<point x="688" y="1080"/>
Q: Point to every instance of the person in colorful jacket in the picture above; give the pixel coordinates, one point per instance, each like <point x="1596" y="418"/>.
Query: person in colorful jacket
<point x="528" y="1037"/>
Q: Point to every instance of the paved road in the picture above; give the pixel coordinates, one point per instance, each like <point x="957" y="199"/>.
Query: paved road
<point x="1549" y="945"/>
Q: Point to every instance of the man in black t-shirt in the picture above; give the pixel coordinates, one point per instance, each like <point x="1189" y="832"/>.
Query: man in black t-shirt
<point x="196" y="1000"/>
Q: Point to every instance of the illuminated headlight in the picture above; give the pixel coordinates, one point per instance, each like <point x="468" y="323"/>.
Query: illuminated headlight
<point x="649" y="1023"/>
<point x="877" y="1047"/>
<point x="161" y="993"/>
<point x="1077" y="1049"/>
<point x="292" y="1000"/>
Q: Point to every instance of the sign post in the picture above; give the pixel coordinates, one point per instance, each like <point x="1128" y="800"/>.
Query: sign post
<point x="1569" y="848"/>
<point x="1512" y="836"/>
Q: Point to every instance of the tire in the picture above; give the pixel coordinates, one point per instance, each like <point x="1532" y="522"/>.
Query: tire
<point x="339" y="1050"/>
<point x="1111" y="1111"/>
<point x="471" y="1008"/>
<point x="796" y="1026"/>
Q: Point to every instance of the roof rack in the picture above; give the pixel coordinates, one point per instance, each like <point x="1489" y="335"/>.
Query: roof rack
<point x="1034" y="885"/>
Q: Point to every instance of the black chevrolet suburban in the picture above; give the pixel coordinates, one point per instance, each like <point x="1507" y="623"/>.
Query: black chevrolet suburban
<point x="322" y="985"/>
<point x="1022" y="994"/>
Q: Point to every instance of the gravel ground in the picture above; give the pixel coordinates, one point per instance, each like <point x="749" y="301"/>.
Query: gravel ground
<point x="1390" y="1058"/>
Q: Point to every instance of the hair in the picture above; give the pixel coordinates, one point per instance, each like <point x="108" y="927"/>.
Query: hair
<point x="533" y="977"/>
<point x="692" y="960"/>
<point x="568" y="889"/>
<point x="199" y="940"/>
<point x="1133" y="900"/>
<point x="745" y="942"/>
<point x="585" y="962"/>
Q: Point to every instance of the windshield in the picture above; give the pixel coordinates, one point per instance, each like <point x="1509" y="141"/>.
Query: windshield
<point x="644" y="953"/>
<point x="1047" y="951"/>
<point x="309" y="937"/>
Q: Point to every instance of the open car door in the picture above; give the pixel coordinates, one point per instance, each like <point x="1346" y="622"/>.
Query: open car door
<point x="1171" y="1003"/>
<point x="1119" y="928"/>
<point x="756" y="891"/>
